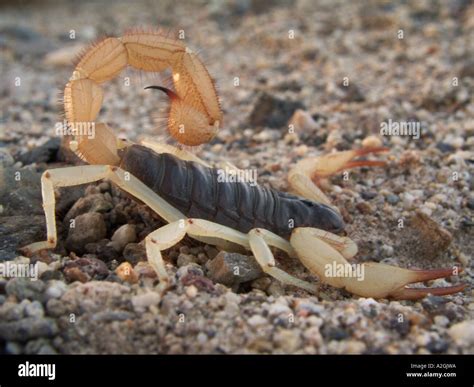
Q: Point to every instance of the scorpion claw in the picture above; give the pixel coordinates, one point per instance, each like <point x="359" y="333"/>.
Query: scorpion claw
<point x="407" y="293"/>
<point x="417" y="293"/>
<point x="335" y="162"/>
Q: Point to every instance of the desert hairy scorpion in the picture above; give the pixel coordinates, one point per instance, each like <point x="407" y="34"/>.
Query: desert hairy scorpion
<point x="185" y="192"/>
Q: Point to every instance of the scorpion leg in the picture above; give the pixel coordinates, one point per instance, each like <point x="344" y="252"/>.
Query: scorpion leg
<point x="62" y="177"/>
<point x="377" y="280"/>
<point x="303" y="177"/>
<point x="71" y="176"/>
<point x="256" y="240"/>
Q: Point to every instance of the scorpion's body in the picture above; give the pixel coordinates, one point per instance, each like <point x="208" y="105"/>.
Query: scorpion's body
<point x="186" y="193"/>
<point x="195" y="190"/>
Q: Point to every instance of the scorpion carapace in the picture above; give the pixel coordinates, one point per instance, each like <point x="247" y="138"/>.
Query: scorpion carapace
<point x="196" y="191"/>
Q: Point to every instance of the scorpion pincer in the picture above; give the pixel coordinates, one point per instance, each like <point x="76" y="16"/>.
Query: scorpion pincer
<point x="184" y="190"/>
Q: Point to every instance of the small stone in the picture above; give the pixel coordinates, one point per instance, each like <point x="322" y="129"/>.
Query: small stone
<point x="372" y="142"/>
<point x="91" y="203"/>
<point x="257" y="320"/>
<point x="13" y="348"/>
<point x="191" y="291"/>
<point x="24" y="288"/>
<point x="368" y="195"/>
<point x="185" y="259"/>
<point x="287" y="340"/>
<point x="73" y="274"/>
<point x="134" y="253"/>
<point x="437" y="346"/>
<point x="262" y="283"/>
<point x="306" y="308"/>
<point x="424" y="237"/>
<point x="191" y="269"/>
<point x="202" y="338"/>
<point x="64" y="56"/>
<point x="28" y="328"/>
<point x="42" y="268"/>
<point x="441" y="320"/>
<point x="272" y="112"/>
<point x="126" y="273"/>
<point x="445" y="148"/>
<point x="393" y="199"/>
<point x="34" y="309"/>
<point x="302" y="121"/>
<point x="275" y="289"/>
<point x="55" y="289"/>
<point x="49" y="275"/>
<point x="408" y="200"/>
<point x="232" y="268"/>
<point x="463" y="333"/>
<point x="11" y="311"/>
<point x="364" y="208"/>
<point x="88" y="227"/>
<point x="6" y="159"/>
<point x="433" y="303"/>
<point x="387" y="250"/>
<point x="45" y="153"/>
<point x="143" y="301"/>
<point x="124" y="235"/>
<point x="145" y="270"/>
<point x="91" y="266"/>
<point x="277" y="309"/>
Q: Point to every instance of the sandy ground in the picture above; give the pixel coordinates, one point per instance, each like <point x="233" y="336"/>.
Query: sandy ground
<point x="348" y="68"/>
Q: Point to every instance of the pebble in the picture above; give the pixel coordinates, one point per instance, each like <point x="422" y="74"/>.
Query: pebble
<point x="287" y="340"/>
<point x="124" y="235"/>
<point x="126" y="273"/>
<point x="272" y="112"/>
<point x="143" y="301"/>
<point x="55" y="289"/>
<point x="387" y="250"/>
<point x="34" y="309"/>
<point x="232" y="268"/>
<point x="13" y="348"/>
<point x="185" y="259"/>
<point x="393" y="199"/>
<point x="89" y="227"/>
<point x="408" y="200"/>
<point x="372" y="142"/>
<point x="134" y="253"/>
<point x="28" y="328"/>
<point x="463" y="333"/>
<point x="302" y="121"/>
<point x="307" y="307"/>
<point x="277" y="309"/>
<point x="441" y="320"/>
<point x="94" y="268"/>
<point x="24" y="288"/>
<point x="191" y="291"/>
<point x="257" y="320"/>
<point x="90" y="203"/>
<point x="10" y="311"/>
<point x="74" y="274"/>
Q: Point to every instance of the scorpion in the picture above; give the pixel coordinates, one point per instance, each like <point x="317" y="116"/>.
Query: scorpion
<point x="184" y="191"/>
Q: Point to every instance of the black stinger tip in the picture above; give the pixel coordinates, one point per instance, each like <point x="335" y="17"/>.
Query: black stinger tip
<point x="168" y="92"/>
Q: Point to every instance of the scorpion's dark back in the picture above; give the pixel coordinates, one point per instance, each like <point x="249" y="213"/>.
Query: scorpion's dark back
<point x="196" y="192"/>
